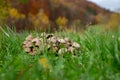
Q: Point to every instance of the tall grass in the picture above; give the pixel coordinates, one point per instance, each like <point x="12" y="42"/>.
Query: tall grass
<point x="99" y="58"/>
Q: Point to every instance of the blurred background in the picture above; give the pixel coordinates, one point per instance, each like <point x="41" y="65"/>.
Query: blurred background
<point x="52" y="15"/>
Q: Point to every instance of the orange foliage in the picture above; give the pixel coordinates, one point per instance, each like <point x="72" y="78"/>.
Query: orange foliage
<point x="15" y="14"/>
<point x="40" y="20"/>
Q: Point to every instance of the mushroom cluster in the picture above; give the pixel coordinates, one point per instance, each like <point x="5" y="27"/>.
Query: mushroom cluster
<point x="32" y="45"/>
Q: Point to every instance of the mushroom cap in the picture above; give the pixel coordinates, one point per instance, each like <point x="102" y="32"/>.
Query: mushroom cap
<point x="52" y="40"/>
<point x="28" y="44"/>
<point x="71" y="49"/>
<point x="29" y="38"/>
<point x="67" y="39"/>
<point x="27" y="49"/>
<point x="62" y="51"/>
<point x="76" y="45"/>
<point x="62" y="41"/>
<point x="36" y="41"/>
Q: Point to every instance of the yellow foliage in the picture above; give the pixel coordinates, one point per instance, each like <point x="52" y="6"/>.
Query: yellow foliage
<point x="43" y="17"/>
<point x="40" y="21"/>
<point x="114" y="21"/>
<point x="44" y="62"/>
<point x="15" y="14"/>
<point x="3" y="11"/>
<point x="61" y="21"/>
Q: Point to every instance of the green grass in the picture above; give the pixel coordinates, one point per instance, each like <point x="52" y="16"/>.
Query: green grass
<point x="99" y="58"/>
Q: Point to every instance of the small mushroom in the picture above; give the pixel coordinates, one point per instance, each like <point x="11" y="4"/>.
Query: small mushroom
<point x="27" y="50"/>
<point x="67" y="40"/>
<point x="25" y="42"/>
<point x="62" y="50"/>
<point x="76" y="45"/>
<point x="55" y="48"/>
<point x="71" y="49"/>
<point x="29" y="38"/>
<point x="52" y="40"/>
<point x="36" y="41"/>
<point x="62" y="41"/>
<point x="29" y="44"/>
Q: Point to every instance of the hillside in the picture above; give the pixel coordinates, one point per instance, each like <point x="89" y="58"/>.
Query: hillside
<point x="37" y="13"/>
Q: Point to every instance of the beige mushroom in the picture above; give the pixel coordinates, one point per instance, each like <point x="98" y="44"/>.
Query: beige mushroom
<point x="62" y="51"/>
<point x="29" y="38"/>
<point x="55" y="48"/>
<point x="71" y="49"/>
<point x="27" y="49"/>
<point x="76" y="45"/>
<point x="29" y="44"/>
<point x="52" y="40"/>
<point x="62" y="41"/>
<point x="36" y="41"/>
